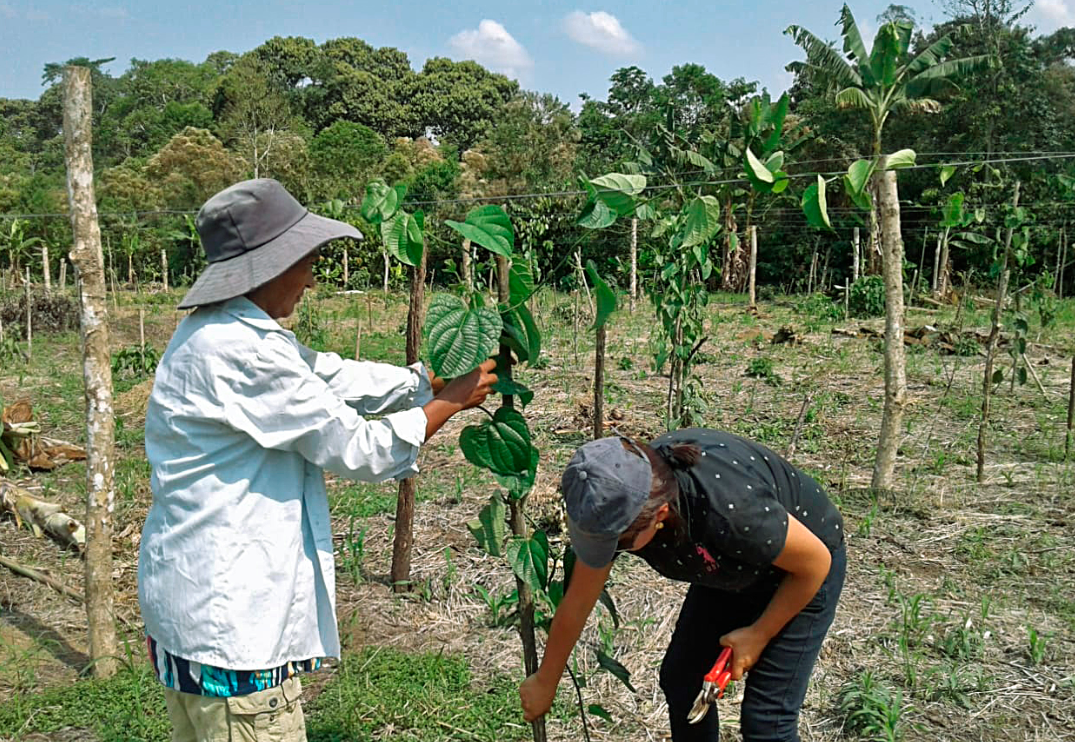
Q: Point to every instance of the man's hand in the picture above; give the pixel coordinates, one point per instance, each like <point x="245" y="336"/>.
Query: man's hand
<point x="536" y="696"/>
<point x="459" y="394"/>
<point x="747" y="645"/>
<point x="472" y="389"/>
<point x="436" y="382"/>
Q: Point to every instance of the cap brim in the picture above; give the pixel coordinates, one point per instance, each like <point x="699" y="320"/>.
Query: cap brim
<point x="593" y="550"/>
<point x="244" y="273"/>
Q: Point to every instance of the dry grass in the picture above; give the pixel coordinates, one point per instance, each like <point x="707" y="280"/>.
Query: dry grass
<point x="939" y="539"/>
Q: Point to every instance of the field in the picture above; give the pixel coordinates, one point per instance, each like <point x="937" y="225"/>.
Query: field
<point x="957" y="621"/>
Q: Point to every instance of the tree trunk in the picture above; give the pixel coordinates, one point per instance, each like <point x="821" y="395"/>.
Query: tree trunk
<point x="753" y="265"/>
<point x="855" y="268"/>
<point x="96" y="369"/>
<point x="464" y="267"/>
<point x="991" y="343"/>
<point x="385" y="254"/>
<point x="634" y="262"/>
<point x="895" y="369"/>
<point x="732" y="275"/>
<point x="404" y="535"/>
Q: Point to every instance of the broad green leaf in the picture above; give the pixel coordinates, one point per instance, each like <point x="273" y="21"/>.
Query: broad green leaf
<point x="490" y="227"/>
<point x="490" y="528"/>
<point x="596" y="215"/>
<point x="518" y="486"/>
<point x="946" y="173"/>
<point x="610" y="606"/>
<point x="645" y="211"/>
<point x="858" y="176"/>
<point x="814" y="205"/>
<point x="529" y="559"/>
<point x="775" y="162"/>
<point x="402" y="236"/>
<point x="380" y="202"/>
<point x="975" y="238"/>
<point x="616" y="668"/>
<point x="501" y="444"/>
<point x="459" y="337"/>
<point x="701" y="222"/>
<point x="521" y="333"/>
<point x="521" y="283"/>
<point x="901" y="159"/>
<point x="599" y="711"/>
<point x="782" y="182"/>
<point x="756" y="170"/>
<point x="606" y="299"/>
<point x="617" y="191"/>
<point x="953" y="211"/>
<point x="510" y="387"/>
<point x="998" y="376"/>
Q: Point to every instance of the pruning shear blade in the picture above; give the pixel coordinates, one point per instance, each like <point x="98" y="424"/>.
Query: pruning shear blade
<point x="713" y="685"/>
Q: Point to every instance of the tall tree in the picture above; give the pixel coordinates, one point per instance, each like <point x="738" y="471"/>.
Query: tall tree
<point x="252" y="113"/>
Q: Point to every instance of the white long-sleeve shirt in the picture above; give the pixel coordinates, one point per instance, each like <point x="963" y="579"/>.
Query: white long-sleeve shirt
<point x="235" y="568"/>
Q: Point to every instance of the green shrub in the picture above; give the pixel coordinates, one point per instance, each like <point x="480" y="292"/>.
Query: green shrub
<point x="867" y="297"/>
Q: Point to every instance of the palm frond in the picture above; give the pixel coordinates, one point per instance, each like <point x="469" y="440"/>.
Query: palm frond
<point x="853" y="44"/>
<point x="823" y="56"/>
<point x="852" y="97"/>
<point x="885" y="55"/>
<point x="943" y="76"/>
<point x="931" y="55"/>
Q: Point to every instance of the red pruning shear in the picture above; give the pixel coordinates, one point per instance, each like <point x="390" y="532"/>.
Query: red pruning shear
<point x="713" y="685"/>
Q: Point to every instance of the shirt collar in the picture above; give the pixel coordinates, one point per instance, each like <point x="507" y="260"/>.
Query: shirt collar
<point x="247" y="311"/>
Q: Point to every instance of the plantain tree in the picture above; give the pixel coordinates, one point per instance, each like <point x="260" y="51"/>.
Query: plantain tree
<point x="885" y="79"/>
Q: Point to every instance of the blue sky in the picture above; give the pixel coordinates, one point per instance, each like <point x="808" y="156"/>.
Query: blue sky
<point x="560" y="47"/>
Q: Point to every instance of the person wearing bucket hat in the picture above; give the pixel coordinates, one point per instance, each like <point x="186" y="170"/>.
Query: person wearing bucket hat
<point x="756" y="538"/>
<point x="235" y="569"/>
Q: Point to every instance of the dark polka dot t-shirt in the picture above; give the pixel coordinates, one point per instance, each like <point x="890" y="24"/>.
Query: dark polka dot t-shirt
<point x="734" y="504"/>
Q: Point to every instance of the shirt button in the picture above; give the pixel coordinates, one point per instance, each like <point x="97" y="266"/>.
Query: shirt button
<point x="272" y="703"/>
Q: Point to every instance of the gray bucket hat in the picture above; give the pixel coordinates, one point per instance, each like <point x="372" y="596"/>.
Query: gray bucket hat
<point x="605" y="487"/>
<point x="252" y="232"/>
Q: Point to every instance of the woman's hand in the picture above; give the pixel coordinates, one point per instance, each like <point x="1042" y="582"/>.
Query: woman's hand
<point x="747" y="645"/>
<point x="536" y="696"/>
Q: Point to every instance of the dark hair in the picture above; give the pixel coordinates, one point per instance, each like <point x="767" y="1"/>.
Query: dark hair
<point x="664" y="489"/>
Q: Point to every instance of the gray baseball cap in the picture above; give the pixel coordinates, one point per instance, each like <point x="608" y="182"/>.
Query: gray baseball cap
<point x="252" y="232"/>
<point x="605" y="487"/>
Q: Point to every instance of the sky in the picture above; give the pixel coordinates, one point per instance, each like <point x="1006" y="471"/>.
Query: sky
<point x="564" y="48"/>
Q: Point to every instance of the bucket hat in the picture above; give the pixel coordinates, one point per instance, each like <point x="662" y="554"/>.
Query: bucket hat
<point x="252" y="232"/>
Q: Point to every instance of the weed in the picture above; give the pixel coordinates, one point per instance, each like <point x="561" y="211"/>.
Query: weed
<point x="625" y="363"/>
<point x="872" y="711"/>
<point x="498" y="605"/>
<point x="1037" y="645"/>
<point x="353" y="552"/>
<point x="762" y="368"/>
<point x="867" y="297"/>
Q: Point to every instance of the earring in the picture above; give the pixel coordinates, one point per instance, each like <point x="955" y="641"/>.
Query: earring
<point x="659" y="525"/>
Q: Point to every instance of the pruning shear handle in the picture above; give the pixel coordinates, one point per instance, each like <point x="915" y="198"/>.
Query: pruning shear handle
<point x="713" y="685"/>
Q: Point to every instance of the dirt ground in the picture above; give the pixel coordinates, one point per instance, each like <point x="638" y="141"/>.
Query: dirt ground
<point x="960" y="596"/>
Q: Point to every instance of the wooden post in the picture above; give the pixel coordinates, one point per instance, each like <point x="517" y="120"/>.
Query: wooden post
<point x="935" y="284"/>
<point x="96" y="369"/>
<point x="813" y="267"/>
<point x="582" y="280"/>
<point x="403" y="539"/>
<point x="63" y="274"/>
<point x="1071" y="412"/>
<point x="464" y="267"/>
<point x="29" y="317"/>
<point x="164" y="268"/>
<point x="991" y="342"/>
<point x="921" y="263"/>
<point x="358" y="340"/>
<point x="855" y="268"/>
<point x="45" y="269"/>
<point x="346" y="269"/>
<point x="599" y="383"/>
<point x="1063" y="265"/>
<point x="634" y="262"/>
<point x="753" y="265"/>
<point x="142" y="334"/>
<point x="895" y="366"/>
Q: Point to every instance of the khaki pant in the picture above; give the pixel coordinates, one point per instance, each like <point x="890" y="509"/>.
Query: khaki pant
<point x="272" y="715"/>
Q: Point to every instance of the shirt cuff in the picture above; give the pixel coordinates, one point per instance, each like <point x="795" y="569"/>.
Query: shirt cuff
<point x="423" y="394"/>
<point x="410" y="427"/>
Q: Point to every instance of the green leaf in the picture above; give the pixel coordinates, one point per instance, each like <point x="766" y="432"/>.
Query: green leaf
<point x="613" y="666"/>
<point x="521" y="333"/>
<point x="617" y="191"/>
<point x="460" y="337"/>
<point x="490" y="227"/>
<point x="501" y="444"/>
<point x="402" y="236"/>
<point x="645" y="211"/>
<point x="1021" y="375"/>
<point x="599" y="711"/>
<point x="529" y="559"/>
<point x="701" y="222"/>
<point x="518" y="486"/>
<point x="858" y="176"/>
<point x="490" y="528"/>
<point x="901" y="159"/>
<point x="510" y="387"/>
<point x="782" y="182"/>
<point x="998" y="376"/>
<point x="814" y="205"/>
<point x="380" y="202"/>
<point x="946" y="173"/>
<point x="756" y="171"/>
<point x="596" y="215"/>
<point x="606" y="299"/>
<point x="521" y="283"/>
<point x="610" y="606"/>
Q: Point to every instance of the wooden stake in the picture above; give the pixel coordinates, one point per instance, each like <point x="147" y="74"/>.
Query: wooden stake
<point x="164" y="269"/>
<point x="935" y="284"/>
<point x="599" y="383"/>
<point x="753" y="265"/>
<point x="142" y="334"/>
<point x="1071" y="412"/>
<point x="634" y="262"/>
<point x="855" y="268"/>
<point x="346" y="269"/>
<point x="63" y="274"/>
<point x="44" y="579"/>
<point x="358" y="341"/>
<point x="97" y="370"/>
<point x="1060" y="276"/>
<point x="45" y="269"/>
<point x="29" y="319"/>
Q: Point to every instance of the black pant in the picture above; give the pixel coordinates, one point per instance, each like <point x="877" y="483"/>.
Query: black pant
<point x="775" y="686"/>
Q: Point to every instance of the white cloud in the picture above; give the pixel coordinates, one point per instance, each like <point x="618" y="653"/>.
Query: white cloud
<point x="602" y="31"/>
<point x="1052" y="14"/>
<point x="491" y="45"/>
